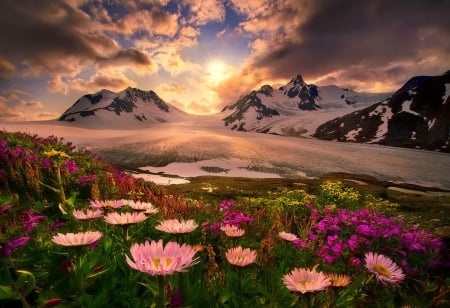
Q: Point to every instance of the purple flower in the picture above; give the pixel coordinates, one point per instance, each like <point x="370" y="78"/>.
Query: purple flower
<point x="70" y="166"/>
<point x="31" y="221"/>
<point x="176" y="299"/>
<point x="300" y="244"/>
<point x="6" y="250"/>
<point x="364" y="230"/>
<point x="355" y="261"/>
<point x="87" y="179"/>
<point x="46" y="163"/>
<point x="311" y="236"/>
<point x="353" y="242"/>
<point x="5" y="209"/>
<point x="56" y="226"/>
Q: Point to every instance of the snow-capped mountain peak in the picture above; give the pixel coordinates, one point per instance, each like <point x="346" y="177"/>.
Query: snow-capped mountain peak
<point x="126" y="108"/>
<point x="294" y="108"/>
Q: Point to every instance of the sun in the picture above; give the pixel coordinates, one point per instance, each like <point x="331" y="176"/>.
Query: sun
<point x="216" y="71"/>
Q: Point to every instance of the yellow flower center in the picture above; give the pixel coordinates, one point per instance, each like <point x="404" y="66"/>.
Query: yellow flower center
<point x="165" y="261"/>
<point x="168" y="261"/>
<point x="156" y="262"/>
<point x="382" y="270"/>
<point x="302" y="283"/>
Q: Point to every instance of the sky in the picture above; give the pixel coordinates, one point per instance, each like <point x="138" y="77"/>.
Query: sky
<point x="200" y="55"/>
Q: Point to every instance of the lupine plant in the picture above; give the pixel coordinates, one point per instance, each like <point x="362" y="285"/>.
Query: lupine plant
<point x="121" y="242"/>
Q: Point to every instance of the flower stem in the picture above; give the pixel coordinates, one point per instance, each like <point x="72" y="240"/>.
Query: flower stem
<point x="160" y="300"/>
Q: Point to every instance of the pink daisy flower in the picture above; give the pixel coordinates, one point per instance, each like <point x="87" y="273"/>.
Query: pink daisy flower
<point x="147" y="207"/>
<point x="106" y="204"/>
<point x="304" y="280"/>
<point x="77" y="239"/>
<point x="175" y="226"/>
<point x="154" y="259"/>
<point x="240" y="256"/>
<point x="383" y="268"/>
<point x="89" y="214"/>
<point x="115" y="218"/>
<point x="288" y="236"/>
<point x="232" y="231"/>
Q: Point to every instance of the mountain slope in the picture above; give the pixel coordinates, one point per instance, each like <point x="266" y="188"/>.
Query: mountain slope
<point x="416" y="116"/>
<point x="129" y="108"/>
<point x="295" y="109"/>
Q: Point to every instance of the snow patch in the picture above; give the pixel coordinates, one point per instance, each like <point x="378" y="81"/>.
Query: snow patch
<point x="406" y="106"/>
<point x="386" y="114"/>
<point x="351" y="135"/>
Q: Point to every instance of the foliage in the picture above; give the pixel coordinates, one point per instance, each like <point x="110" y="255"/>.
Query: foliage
<point x="332" y="231"/>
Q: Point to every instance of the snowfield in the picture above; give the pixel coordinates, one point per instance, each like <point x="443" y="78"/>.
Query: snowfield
<point x="198" y="147"/>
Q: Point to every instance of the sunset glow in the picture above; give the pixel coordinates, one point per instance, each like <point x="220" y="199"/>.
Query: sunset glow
<point x="217" y="71"/>
<point x="201" y="55"/>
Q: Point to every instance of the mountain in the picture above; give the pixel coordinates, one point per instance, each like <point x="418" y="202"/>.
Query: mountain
<point x="295" y="109"/>
<point x="416" y="116"/>
<point x="130" y="108"/>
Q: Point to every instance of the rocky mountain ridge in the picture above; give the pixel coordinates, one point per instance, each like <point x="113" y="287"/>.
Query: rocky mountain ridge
<point x="415" y="116"/>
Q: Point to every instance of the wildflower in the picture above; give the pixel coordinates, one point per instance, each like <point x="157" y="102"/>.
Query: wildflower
<point x="339" y="280"/>
<point x="240" y="256"/>
<point x="77" y="239"/>
<point x="125" y="218"/>
<point x="176" y="226"/>
<point x="355" y="261"/>
<point x="383" y="268"/>
<point x="55" y="153"/>
<point x="4" y="209"/>
<point x="154" y="259"/>
<point x="69" y="166"/>
<point x="87" y="179"/>
<point x="55" y="226"/>
<point x="232" y="231"/>
<point x="106" y="204"/>
<point x="52" y="302"/>
<point x="31" y="221"/>
<point x="288" y="236"/>
<point x="147" y="207"/>
<point x="89" y="214"/>
<point x="6" y="250"/>
<point x="304" y="280"/>
<point x="300" y="244"/>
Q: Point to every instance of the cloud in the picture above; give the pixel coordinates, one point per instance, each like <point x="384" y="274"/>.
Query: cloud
<point x="172" y="88"/>
<point x="123" y="58"/>
<point x="152" y="22"/>
<point x="174" y="64"/>
<point x="202" y="106"/>
<point x="105" y="79"/>
<point x="333" y="37"/>
<point x="7" y="69"/>
<point x="205" y="11"/>
<point x="16" y="105"/>
<point x="46" y="34"/>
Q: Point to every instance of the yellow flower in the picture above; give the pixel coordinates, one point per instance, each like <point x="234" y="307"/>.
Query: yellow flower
<point x="55" y="153"/>
<point x="339" y="280"/>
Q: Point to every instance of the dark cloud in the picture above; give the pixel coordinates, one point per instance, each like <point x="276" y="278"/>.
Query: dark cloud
<point x="7" y="69"/>
<point x="340" y="34"/>
<point x="38" y="32"/>
<point x="127" y="56"/>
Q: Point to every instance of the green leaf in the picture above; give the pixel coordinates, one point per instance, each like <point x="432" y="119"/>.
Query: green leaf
<point x="26" y="282"/>
<point x="7" y="292"/>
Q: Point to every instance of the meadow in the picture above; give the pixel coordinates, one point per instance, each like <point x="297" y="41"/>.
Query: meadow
<point x="77" y="232"/>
